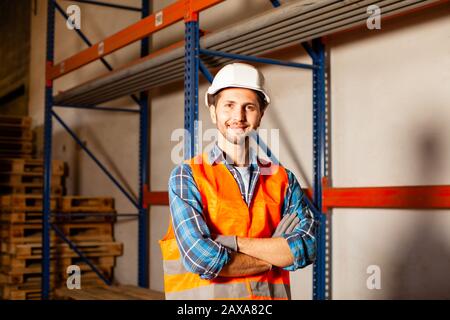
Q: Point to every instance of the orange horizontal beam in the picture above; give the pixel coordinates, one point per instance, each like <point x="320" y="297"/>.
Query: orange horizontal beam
<point x="200" y="5"/>
<point x="137" y="31"/>
<point x="161" y="198"/>
<point x="155" y="198"/>
<point x="409" y="197"/>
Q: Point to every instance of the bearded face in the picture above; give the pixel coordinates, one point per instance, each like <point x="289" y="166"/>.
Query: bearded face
<point x="236" y="114"/>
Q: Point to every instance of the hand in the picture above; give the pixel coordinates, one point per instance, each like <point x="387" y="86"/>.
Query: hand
<point x="286" y="225"/>
<point x="228" y="241"/>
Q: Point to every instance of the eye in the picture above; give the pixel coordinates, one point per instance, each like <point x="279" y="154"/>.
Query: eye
<point x="250" y="107"/>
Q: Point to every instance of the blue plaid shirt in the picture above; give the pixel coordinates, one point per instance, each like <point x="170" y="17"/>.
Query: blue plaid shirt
<point x="202" y="255"/>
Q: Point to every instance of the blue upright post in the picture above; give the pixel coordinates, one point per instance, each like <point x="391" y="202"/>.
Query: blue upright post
<point x="191" y="68"/>
<point x="47" y="155"/>
<point x="143" y="241"/>
<point x="319" y="125"/>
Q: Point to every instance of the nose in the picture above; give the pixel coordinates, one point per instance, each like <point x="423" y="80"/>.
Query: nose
<point x="239" y="113"/>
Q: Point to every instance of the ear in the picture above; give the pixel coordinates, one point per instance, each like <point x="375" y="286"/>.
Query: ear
<point x="212" y="113"/>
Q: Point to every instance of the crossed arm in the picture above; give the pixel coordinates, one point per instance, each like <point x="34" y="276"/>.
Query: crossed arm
<point x="257" y="255"/>
<point x="261" y="253"/>
<point x="241" y="265"/>
<point x="209" y="258"/>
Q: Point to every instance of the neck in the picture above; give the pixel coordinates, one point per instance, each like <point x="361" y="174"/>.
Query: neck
<point x="237" y="153"/>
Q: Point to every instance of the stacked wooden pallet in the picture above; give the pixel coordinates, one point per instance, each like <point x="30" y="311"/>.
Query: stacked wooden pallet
<point x="21" y="246"/>
<point x="15" y="137"/>
<point x="124" y="292"/>
<point x="20" y="229"/>
<point x="89" y="222"/>
<point x="86" y="221"/>
<point x="25" y="176"/>
<point x="19" y="173"/>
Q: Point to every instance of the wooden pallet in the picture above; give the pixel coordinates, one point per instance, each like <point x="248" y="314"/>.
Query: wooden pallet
<point x="12" y="293"/>
<point x="88" y="279"/>
<point x="22" y="217"/>
<point x="32" y="233"/>
<point x="88" y="231"/>
<point x="17" y="233"/>
<point x="29" y="280"/>
<point x="16" y="146"/>
<point x="8" y="154"/>
<point x="15" y="133"/>
<point x="30" y="166"/>
<point x="63" y="250"/>
<point x="13" y="120"/>
<point x="85" y="217"/>
<point x="55" y="190"/>
<point x="24" y="203"/>
<point x="56" y="279"/>
<point x="122" y="292"/>
<point x="24" y="208"/>
<point x="61" y="217"/>
<point x="11" y="266"/>
<point x="31" y="288"/>
<point x="29" y="179"/>
<point x="87" y="204"/>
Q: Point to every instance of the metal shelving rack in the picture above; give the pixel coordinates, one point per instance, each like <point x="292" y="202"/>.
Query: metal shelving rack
<point x="298" y="22"/>
<point x="142" y="111"/>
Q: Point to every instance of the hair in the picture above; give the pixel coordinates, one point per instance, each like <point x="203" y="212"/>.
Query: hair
<point x="259" y="95"/>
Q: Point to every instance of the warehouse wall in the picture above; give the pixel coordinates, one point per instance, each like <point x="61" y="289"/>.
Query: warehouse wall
<point x="15" y="57"/>
<point x="389" y="121"/>
<point x="391" y="126"/>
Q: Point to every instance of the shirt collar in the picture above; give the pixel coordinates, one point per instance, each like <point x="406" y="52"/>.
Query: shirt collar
<point x="217" y="155"/>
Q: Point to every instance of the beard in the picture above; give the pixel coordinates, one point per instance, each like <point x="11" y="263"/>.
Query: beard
<point x="235" y="133"/>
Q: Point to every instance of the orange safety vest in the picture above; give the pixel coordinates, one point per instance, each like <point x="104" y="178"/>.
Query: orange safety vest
<point x="226" y="213"/>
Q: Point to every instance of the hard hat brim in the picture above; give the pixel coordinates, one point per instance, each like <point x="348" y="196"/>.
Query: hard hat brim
<point x="212" y="92"/>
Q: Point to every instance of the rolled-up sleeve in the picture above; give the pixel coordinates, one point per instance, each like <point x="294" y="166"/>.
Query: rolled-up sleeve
<point x="200" y="254"/>
<point x="302" y="240"/>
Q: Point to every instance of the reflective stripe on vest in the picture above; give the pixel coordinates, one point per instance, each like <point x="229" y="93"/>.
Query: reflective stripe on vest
<point x="238" y="290"/>
<point x="227" y="213"/>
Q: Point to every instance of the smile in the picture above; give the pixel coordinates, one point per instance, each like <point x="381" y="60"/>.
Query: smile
<point x="236" y="127"/>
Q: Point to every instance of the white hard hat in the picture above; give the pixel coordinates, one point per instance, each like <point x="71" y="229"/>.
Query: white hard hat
<point x="237" y="75"/>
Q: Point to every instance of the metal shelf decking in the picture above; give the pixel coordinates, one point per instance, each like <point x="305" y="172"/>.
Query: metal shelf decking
<point x="275" y="29"/>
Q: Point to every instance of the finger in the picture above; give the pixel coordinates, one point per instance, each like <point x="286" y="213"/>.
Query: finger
<point x="295" y="221"/>
<point x="281" y="223"/>
<point x="288" y="222"/>
<point x="283" y="220"/>
<point x="293" y="225"/>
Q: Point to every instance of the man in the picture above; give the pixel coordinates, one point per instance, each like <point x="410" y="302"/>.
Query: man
<point x="238" y="225"/>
